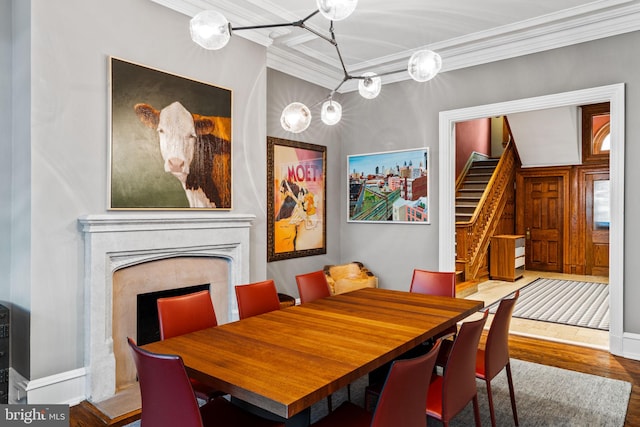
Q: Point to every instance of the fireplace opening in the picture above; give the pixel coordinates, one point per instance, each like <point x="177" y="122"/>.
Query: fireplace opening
<point x="147" y="325"/>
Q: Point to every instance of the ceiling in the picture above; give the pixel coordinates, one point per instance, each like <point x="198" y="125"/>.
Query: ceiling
<point x="381" y="35"/>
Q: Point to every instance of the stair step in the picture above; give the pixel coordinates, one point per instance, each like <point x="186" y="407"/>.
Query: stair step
<point x="469" y="197"/>
<point x="474" y="185"/>
<point x="467" y="211"/>
<point x="478" y="178"/>
<point x="480" y="172"/>
<point x="471" y="191"/>
<point x="486" y="162"/>
<point x="466" y="288"/>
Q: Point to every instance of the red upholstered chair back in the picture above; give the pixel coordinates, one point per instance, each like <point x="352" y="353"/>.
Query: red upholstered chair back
<point x="459" y="379"/>
<point x="433" y="283"/>
<point x="182" y="314"/>
<point x="167" y="397"/>
<point x="257" y="298"/>
<point x="312" y="286"/>
<point x="496" y="354"/>
<point x="404" y="393"/>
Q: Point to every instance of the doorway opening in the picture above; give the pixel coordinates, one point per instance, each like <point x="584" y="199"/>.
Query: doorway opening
<point x="613" y="94"/>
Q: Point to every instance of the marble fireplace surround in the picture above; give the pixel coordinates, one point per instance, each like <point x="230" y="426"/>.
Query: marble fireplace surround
<point x="115" y="241"/>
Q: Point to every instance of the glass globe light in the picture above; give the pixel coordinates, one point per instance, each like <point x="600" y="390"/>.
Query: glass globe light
<point x="370" y="86"/>
<point x="336" y="10"/>
<point x="331" y="112"/>
<point x="210" y="29"/>
<point x="424" y="65"/>
<point x="296" y="117"/>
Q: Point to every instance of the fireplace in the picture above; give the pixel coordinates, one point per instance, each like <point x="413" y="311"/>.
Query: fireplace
<point x="184" y="245"/>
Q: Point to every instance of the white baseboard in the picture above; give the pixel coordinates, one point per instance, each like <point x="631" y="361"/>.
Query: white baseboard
<point x="631" y="346"/>
<point x="64" y="388"/>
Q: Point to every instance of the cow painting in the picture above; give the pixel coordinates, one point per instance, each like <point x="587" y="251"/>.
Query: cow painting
<point x="196" y="150"/>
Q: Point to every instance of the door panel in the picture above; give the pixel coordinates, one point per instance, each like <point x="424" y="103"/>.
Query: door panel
<point x="543" y="219"/>
<point x="597" y="224"/>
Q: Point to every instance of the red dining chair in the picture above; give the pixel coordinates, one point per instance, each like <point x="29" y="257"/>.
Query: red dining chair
<point x="401" y="401"/>
<point x="168" y="399"/>
<point x="441" y="283"/>
<point x="257" y="298"/>
<point x="450" y="392"/>
<point x="495" y="356"/>
<point x="182" y="314"/>
<point x="312" y="286"/>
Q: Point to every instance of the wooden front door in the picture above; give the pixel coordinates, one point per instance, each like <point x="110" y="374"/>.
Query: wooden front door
<point x="597" y="224"/>
<point x="543" y="222"/>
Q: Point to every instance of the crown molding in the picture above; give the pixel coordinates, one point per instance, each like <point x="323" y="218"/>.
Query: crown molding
<point x="506" y="42"/>
<point x="596" y="20"/>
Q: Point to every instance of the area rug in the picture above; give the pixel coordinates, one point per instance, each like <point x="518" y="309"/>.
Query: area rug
<point x="569" y="302"/>
<point x="545" y="396"/>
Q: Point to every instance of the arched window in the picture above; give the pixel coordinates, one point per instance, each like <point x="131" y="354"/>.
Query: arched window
<point x="601" y="141"/>
<point x="595" y="133"/>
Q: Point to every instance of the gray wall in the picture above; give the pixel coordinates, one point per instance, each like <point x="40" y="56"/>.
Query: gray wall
<point x="5" y="145"/>
<point x="282" y="90"/>
<point x="19" y="203"/>
<point x="61" y="168"/>
<point x="406" y="115"/>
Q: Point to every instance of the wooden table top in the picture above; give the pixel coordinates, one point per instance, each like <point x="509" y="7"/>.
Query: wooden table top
<point x="286" y="360"/>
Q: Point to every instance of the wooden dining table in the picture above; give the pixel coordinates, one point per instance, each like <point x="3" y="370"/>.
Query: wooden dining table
<point x="284" y="361"/>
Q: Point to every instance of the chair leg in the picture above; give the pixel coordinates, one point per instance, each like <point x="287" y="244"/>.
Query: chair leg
<point x="349" y="392"/>
<point x="512" y="394"/>
<point x="329" y="404"/>
<point x="367" y="401"/>
<point x="476" y="411"/>
<point x="490" y="398"/>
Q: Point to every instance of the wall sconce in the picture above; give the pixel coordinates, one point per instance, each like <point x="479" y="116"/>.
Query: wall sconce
<point x="211" y="30"/>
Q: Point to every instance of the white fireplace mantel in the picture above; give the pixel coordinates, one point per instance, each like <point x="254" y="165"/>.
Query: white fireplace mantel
<point x="114" y="241"/>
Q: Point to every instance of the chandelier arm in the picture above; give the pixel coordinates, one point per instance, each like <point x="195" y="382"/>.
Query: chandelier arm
<point x="257" y="27"/>
<point x="311" y="30"/>
<point x="333" y="92"/>
<point x="346" y="77"/>
<point x="378" y="75"/>
<point x="344" y="67"/>
<point x="311" y="15"/>
<point x="299" y="23"/>
<point x="326" y="98"/>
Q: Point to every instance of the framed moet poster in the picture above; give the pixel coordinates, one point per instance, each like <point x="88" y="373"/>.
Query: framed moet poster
<point x="296" y="199"/>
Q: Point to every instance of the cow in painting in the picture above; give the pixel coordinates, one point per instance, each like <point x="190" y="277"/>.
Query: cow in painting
<point x="196" y="150"/>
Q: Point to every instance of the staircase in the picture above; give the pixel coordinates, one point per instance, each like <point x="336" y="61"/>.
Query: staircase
<point x="482" y="190"/>
<point x="472" y="187"/>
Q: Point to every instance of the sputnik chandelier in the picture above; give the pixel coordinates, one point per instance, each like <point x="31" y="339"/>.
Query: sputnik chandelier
<point x="211" y="30"/>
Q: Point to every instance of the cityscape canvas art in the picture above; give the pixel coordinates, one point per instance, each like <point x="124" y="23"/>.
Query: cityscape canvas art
<point x="390" y="186"/>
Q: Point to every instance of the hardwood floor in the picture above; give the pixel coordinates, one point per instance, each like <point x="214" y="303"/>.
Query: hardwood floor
<point x="566" y="356"/>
